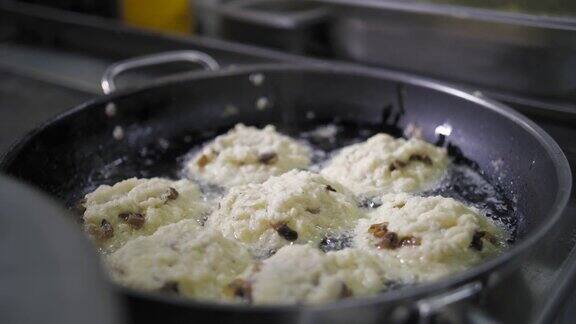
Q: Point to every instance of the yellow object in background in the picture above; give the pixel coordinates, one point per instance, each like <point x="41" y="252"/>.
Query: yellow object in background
<point x="162" y="15"/>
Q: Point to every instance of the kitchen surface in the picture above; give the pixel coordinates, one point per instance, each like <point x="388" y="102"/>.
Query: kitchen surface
<point x="52" y="59"/>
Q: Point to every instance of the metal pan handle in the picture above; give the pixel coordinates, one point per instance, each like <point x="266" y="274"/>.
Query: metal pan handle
<point x="456" y="306"/>
<point x="110" y="74"/>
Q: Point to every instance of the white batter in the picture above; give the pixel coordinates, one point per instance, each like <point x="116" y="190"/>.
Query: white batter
<point x="296" y="207"/>
<point x="181" y="258"/>
<point x="260" y="245"/>
<point x="425" y="238"/>
<point x="383" y="164"/>
<point x="136" y="207"/>
<point x="303" y="274"/>
<point x="248" y="155"/>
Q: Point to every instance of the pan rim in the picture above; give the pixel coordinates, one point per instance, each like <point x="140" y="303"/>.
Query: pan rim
<point x="562" y="168"/>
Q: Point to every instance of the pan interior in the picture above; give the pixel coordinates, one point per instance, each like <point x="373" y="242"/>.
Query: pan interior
<point x="463" y="181"/>
<point x="154" y="128"/>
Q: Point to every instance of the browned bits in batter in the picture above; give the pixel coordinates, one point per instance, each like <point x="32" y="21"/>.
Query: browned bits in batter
<point x="313" y="210"/>
<point x="476" y="242"/>
<point x="119" y="270"/>
<point x="421" y="158"/>
<point x="378" y="230"/>
<point x="170" y="287"/>
<point x="286" y="232"/>
<point x="389" y="241"/>
<point x="268" y="158"/>
<point x="240" y="288"/>
<point x="135" y="220"/>
<point x="400" y="205"/>
<point x="202" y="161"/>
<point x="330" y="188"/>
<point x="395" y="165"/>
<point x="491" y="238"/>
<point x="106" y="230"/>
<point x="92" y="229"/>
<point x="81" y="205"/>
<point x="410" y="241"/>
<point x="345" y="291"/>
<point x="172" y="194"/>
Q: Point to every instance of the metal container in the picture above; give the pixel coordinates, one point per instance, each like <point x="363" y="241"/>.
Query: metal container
<point x="294" y="26"/>
<point x="208" y="21"/>
<point x="517" y="52"/>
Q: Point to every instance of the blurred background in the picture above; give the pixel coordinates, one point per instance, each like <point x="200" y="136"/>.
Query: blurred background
<point x="204" y="16"/>
<point x="236" y="19"/>
<point x="521" y="52"/>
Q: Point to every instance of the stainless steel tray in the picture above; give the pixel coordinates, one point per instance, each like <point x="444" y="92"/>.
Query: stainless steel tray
<point x="289" y="25"/>
<point x="523" y="53"/>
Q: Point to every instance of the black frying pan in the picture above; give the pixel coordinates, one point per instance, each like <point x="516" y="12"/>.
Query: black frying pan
<point x="76" y="151"/>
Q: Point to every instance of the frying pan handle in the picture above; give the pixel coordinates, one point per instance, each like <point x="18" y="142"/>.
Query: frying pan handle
<point x="455" y="306"/>
<point x="110" y="74"/>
